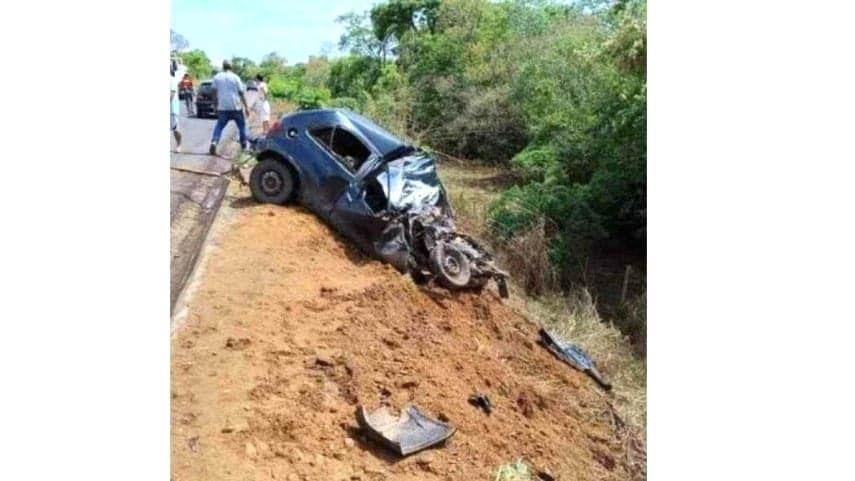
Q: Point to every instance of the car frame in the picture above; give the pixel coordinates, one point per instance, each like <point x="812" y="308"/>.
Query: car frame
<point x="380" y="192"/>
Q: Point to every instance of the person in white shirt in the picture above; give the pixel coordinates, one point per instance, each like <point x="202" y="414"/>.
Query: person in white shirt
<point x="262" y="105"/>
<point x="174" y="109"/>
<point x="230" y="99"/>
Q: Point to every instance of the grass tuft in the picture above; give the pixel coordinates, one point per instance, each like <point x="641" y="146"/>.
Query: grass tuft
<point x="515" y="471"/>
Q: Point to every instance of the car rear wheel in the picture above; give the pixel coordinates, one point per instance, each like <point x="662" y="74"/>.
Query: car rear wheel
<point x="450" y="266"/>
<point x="272" y="182"/>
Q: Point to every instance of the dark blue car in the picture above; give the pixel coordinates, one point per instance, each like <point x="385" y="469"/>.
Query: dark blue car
<point x="377" y="190"/>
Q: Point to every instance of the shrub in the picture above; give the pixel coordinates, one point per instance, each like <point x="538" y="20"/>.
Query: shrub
<point x="282" y="88"/>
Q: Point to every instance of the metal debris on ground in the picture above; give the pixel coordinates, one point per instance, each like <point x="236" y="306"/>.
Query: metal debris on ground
<point x="481" y="401"/>
<point x="405" y="434"/>
<point x="572" y="355"/>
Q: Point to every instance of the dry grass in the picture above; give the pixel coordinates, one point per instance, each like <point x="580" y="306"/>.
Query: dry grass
<point x="470" y="192"/>
<point x="527" y="255"/>
<point x="279" y="108"/>
<point x="576" y="320"/>
<point x="515" y="471"/>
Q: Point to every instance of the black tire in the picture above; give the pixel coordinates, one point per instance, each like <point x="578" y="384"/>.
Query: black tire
<point x="450" y="266"/>
<point x="272" y="182"/>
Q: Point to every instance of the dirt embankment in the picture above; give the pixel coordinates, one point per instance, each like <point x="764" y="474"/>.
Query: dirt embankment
<point x="291" y="328"/>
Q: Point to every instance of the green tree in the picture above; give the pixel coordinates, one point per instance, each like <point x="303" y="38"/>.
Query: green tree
<point x="317" y="72"/>
<point x="272" y="64"/>
<point x="244" y="68"/>
<point x="197" y="63"/>
<point x="359" y="38"/>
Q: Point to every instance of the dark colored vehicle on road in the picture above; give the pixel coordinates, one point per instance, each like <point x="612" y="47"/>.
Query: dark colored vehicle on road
<point x="206" y="100"/>
<point x="375" y="189"/>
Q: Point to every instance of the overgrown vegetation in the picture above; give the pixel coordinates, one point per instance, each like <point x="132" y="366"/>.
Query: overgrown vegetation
<point x="555" y="92"/>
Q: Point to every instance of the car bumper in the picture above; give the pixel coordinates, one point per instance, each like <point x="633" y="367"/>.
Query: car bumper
<point x="206" y="106"/>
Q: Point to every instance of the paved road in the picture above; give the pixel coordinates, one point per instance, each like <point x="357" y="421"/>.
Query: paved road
<point x="197" y="187"/>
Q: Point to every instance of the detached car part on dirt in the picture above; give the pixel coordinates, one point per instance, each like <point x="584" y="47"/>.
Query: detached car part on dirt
<point x="405" y="434"/>
<point x="572" y="355"/>
<point x="373" y="188"/>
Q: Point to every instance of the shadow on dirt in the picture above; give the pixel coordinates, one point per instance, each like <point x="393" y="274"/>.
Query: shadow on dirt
<point x="353" y="253"/>
<point x="367" y="445"/>
<point x="378" y="451"/>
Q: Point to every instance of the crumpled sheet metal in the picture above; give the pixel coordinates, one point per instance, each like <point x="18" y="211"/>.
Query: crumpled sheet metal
<point x="406" y="434"/>
<point x="412" y="182"/>
<point x="572" y="355"/>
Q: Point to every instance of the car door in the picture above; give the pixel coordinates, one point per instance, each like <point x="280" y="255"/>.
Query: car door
<point x="361" y="213"/>
<point x="333" y="174"/>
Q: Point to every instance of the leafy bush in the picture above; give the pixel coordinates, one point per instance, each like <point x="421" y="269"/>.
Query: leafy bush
<point x="281" y="87"/>
<point x="536" y="163"/>
<point x="572" y="225"/>
<point x="312" y="98"/>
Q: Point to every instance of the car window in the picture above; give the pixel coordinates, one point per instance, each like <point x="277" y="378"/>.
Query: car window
<point x="344" y="146"/>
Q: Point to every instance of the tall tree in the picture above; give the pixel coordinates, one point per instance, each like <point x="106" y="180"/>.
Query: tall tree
<point x="359" y="38"/>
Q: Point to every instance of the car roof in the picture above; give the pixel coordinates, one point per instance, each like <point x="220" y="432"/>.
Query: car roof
<point x="383" y="140"/>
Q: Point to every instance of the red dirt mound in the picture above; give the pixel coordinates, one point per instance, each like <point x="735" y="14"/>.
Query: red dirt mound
<point x="290" y="329"/>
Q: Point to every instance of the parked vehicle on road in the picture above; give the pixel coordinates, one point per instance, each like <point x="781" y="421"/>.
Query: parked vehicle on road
<point x="374" y="188"/>
<point x="206" y="100"/>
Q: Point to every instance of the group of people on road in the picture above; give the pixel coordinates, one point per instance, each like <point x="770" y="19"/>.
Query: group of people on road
<point x="231" y="104"/>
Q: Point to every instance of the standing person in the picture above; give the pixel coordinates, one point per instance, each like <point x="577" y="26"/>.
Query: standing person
<point x="174" y="109"/>
<point x="186" y="90"/>
<point x="262" y="106"/>
<point x="231" y="105"/>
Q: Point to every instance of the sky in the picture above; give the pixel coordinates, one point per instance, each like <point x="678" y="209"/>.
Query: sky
<point x="295" y="29"/>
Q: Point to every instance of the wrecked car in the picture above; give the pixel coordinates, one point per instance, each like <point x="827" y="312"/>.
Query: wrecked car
<point x="378" y="191"/>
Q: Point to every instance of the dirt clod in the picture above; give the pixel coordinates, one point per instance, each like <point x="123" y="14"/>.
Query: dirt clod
<point x="238" y="344"/>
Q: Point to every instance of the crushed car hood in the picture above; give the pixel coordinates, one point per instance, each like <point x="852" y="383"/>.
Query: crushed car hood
<point x="411" y="183"/>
